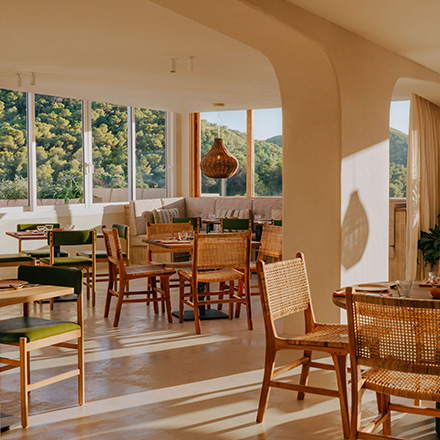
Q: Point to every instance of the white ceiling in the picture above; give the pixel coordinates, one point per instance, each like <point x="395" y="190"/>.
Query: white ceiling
<point x="119" y="51"/>
<point x="410" y="28"/>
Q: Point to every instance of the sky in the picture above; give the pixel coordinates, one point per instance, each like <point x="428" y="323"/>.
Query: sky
<point x="267" y="122"/>
<point x="399" y="115"/>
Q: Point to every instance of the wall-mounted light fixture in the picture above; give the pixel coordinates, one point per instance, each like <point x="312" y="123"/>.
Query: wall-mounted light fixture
<point x="173" y="65"/>
<point x="191" y="64"/>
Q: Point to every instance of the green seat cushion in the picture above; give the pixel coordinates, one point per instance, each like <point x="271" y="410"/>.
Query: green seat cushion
<point x="99" y="254"/>
<point x="68" y="261"/>
<point x="42" y="254"/>
<point x="11" y="330"/>
<point x="10" y="258"/>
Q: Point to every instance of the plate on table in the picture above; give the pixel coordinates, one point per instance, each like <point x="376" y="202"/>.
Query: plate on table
<point x="372" y="287"/>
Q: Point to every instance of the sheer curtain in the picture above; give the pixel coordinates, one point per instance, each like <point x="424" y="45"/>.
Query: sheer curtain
<point x="423" y="192"/>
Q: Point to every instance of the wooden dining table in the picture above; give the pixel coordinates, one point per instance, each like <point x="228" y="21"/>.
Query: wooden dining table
<point x="419" y="292"/>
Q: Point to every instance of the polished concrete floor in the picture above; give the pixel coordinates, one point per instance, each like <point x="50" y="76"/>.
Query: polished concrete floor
<point x="149" y="379"/>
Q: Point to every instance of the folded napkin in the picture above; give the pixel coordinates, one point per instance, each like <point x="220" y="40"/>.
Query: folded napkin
<point x="339" y="293"/>
<point x="425" y="283"/>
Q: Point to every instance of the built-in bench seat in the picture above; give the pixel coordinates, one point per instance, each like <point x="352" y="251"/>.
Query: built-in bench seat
<point x="139" y="212"/>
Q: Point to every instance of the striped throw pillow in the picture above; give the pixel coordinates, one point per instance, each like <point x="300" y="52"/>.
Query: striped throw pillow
<point x="165" y="215"/>
<point x="233" y="213"/>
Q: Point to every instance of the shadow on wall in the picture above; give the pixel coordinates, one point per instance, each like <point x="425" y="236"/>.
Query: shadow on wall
<point x="355" y="232"/>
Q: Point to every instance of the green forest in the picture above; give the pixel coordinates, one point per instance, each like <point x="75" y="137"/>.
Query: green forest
<point x="59" y="146"/>
<point x="268" y="162"/>
<point x="59" y="150"/>
<point x="398" y="158"/>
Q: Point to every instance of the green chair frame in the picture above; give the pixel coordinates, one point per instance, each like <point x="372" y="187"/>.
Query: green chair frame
<point x="56" y="239"/>
<point x="195" y="221"/>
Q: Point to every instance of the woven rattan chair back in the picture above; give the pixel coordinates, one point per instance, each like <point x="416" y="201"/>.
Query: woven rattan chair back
<point x="285" y="288"/>
<point x="113" y="248"/>
<point x="271" y="242"/>
<point x="396" y="333"/>
<point x="221" y="251"/>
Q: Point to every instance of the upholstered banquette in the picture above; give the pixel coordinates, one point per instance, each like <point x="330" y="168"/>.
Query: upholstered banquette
<point x="139" y="212"/>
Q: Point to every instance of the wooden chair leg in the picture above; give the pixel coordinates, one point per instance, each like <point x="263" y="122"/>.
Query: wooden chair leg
<point x="181" y="298"/>
<point x="28" y="361"/>
<point x="385" y="411"/>
<point x="305" y="369"/>
<point x="81" y="379"/>
<point x="248" y="307"/>
<point x="111" y="286"/>
<point x="24" y="382"/>
<point x="356" y="407"/>
<point x="165" y="287"/>
<point x="119" y="303"/>
<point x="269" y="364"/>
<point x="221" y="286"/>
<point x="240" y="294"/>
<point x="340" y="362"/>
<point x="231" y="294"/>
<point x="196" y="308"/>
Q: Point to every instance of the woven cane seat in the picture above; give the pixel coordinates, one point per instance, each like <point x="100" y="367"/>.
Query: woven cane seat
<point x="326" y="335"/>
<point x="214" y="276"/>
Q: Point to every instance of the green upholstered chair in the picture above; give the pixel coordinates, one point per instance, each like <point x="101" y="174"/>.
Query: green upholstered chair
<point x="56" y="239"/>
<point x="236" y="224"/>
<point x="37" y="254"/>
<point x="7" y="260"/>
<point x="196" y="221"/>
<point x="32" y="333"/>
<point x="101" y="254"/>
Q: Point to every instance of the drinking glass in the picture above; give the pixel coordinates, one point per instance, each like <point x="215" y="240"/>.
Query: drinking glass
<point x="180" y="235"/>
<point x="404" y="288"/>
<point x="49" y="227"/>
<point x="41" y="228"/>
<point x="257" y="218"/>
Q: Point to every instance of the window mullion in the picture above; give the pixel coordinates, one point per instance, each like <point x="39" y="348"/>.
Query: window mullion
<point x="131" y="152"/>
<point x="87" y="152"/>
<point x="32" y="150"/>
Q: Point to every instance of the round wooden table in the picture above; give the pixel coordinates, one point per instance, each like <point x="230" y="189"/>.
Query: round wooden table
<point x="418" y="292"/>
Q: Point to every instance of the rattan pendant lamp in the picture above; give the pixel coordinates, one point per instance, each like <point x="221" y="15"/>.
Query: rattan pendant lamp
<point x="219" y="163"/>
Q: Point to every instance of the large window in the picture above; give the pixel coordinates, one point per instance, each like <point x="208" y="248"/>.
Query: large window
<point x="268" y="128"/>
<point x="231" y="126"/>
<point x="150" y="153"/>
<point x="13" y="149"/>
<point x="399" y="127"/>
<point x="59" y="149"/>
<point x="110" y="159"/>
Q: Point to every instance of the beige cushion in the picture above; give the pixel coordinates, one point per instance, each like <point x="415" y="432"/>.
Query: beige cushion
<point x="138" y="207"/>
<point x="148" y="217"/>
<point x="263" y="206"/>
<point x="237" y="203"/>
<point x="277" y="214"/>
<point x="199" y="206"/>
<point x="165" y="215"/>
<point x="175" y="202"/>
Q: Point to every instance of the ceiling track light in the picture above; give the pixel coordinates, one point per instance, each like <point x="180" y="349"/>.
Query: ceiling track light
<point x="19" y="80"/>
<point x="173" y="65"/>
<point x="191" y="64"/>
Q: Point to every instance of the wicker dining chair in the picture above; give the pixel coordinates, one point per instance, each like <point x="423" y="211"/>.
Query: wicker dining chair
<point x="270" y="250"/>
<point x="120" y="275"/>
<point x="217" y="258"/>
<point x="398" y="339"/>
<point x="285" y="291"/>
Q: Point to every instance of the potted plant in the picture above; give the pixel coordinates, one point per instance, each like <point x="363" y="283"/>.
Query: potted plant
<point x="429" y="244"/>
